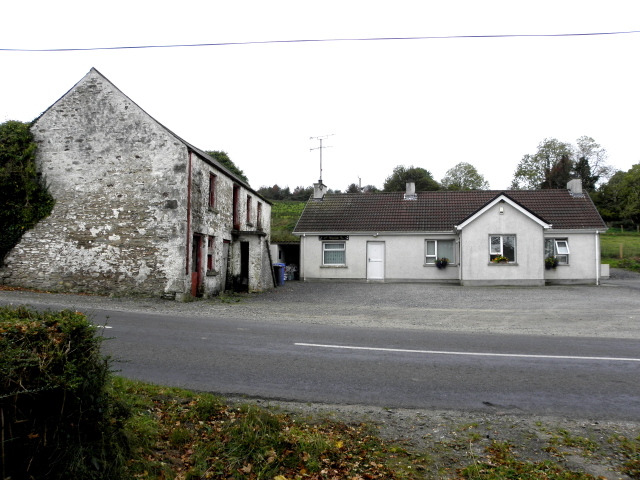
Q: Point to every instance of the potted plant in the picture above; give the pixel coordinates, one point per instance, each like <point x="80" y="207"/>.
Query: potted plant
<point x="550" y="262"/>
<point x="500" y="259"/>
<point x="442" y="262"/>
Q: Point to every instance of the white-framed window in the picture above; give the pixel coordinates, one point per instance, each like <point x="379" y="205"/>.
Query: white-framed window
<point x="333" y="253"/>
<point x="557" y="247"/>
<point x="435" y="249"/>
<point x="502" y="246"/>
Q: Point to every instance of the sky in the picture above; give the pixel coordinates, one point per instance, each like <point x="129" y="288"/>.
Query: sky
<point x="430" y="102"/>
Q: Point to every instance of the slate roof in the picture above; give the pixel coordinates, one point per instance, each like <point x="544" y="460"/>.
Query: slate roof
<point x="438" y="211"/>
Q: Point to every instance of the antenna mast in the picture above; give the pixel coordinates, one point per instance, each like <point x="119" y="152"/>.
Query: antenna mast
<point x="320" y="138"/>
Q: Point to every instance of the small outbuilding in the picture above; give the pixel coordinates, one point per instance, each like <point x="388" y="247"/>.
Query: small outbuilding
<point x="479" y="237"/>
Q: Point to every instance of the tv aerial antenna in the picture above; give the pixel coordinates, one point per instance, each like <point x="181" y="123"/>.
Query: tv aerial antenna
<point x="320" y="147"/>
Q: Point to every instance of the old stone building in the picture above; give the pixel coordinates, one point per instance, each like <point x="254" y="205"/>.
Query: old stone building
<point x="138" y="210"/>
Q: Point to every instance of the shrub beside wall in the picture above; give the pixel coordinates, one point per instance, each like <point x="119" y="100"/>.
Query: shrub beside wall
<point x="58" y="418"/>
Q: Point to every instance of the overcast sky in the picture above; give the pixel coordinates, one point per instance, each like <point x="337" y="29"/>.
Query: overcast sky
<point x="430" y="103"/>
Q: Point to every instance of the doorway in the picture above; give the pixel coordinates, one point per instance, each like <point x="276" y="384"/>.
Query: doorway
<point x="196" y="265"/>
<point x="375" y="260"/>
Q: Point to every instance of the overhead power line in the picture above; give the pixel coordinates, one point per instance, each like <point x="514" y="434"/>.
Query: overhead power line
<point x="319" y="40"/>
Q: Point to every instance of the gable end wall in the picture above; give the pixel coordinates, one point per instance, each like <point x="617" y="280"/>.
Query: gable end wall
<point x="119" y="181"/>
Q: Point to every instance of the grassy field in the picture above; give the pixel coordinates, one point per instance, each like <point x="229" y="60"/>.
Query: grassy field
<point x="621" y="249"/>
<point x="284" y="216"/>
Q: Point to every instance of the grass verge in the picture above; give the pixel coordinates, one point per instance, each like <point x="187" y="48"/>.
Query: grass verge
<point x="178" y="434"/>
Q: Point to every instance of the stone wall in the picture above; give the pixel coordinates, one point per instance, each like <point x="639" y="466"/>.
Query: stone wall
<point x="121" y="184"/>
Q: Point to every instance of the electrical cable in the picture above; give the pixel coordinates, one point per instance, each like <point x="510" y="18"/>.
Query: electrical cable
<point x="319" y="40"/>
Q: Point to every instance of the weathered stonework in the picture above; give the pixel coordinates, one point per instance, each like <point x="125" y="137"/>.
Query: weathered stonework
<point x="131" y="198"/>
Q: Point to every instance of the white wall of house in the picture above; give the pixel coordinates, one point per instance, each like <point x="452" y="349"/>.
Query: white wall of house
<point x="584" y="258"/>
<point x="404" y="259"/>
<point x="477" y="269"/>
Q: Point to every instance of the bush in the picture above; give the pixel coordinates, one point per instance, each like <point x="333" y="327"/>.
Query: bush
<point x="24" y="196"/>
<point x="58" y="417"/>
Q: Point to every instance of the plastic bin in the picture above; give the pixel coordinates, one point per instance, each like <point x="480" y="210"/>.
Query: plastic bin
<point x="278" y="269"/>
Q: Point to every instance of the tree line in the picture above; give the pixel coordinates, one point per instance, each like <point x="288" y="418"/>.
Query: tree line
<point x="463" y="176"/>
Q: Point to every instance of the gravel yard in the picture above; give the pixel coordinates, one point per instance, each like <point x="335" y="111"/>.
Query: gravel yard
<point x="610" y="310"/>
<point x="450" y="439"/>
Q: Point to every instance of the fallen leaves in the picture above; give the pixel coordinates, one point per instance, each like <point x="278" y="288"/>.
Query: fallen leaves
<point x="253" y="443"/>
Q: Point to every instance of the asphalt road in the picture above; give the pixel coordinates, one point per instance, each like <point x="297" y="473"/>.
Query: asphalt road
<point x="570" y="351"/>
<point x="573" y="377"/>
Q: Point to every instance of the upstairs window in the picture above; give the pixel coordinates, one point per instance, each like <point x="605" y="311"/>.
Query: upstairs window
<point x="502" y="246"/>
<point x="557" y="247"/>
<point x="259" y="214"/>
<point x="436" y="249"/>
<point x="236" y="209"/>
<point x="248" y="209"/>
<point x="333" y="253"/>
<point x="212" y="190"/>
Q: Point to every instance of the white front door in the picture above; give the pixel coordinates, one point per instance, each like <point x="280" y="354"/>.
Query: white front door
<point x="375" y="260"/>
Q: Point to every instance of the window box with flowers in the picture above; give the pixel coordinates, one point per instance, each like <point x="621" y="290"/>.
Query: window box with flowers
<point x="442" y="263"/>
<point x="550" y="263"/>
<point x="500" y="259"/>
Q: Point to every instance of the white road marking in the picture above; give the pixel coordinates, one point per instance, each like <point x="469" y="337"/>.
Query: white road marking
<point x="473" y="354"/>
<point x="104" y="326"/>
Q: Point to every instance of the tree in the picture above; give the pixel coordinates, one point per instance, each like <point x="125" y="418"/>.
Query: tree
<point x="397" y="181"/>
<point x="223" y="158"/>
<point x="559" y="174"/>
<point x="533" y="170"/>
<point x="275" y="192"/>
<point x="609" y="197"/>
<point x="353" y="188"/>
<point x="596" y="158"/>
<point x="24" y="196"/>
<point x="301" y="193"/>
<point x="619" y="198"/>
<point x="464" y="176"/>
<point x="557" y="161"/>
<point x="631" y="193"/>
<point x="583" y="170"/>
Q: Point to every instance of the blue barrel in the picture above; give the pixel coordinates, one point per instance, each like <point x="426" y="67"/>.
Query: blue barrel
<point x="278" y="269"/>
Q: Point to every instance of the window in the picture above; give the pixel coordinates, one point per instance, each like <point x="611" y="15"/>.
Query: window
<point x="333" y="253"/>
<point x="236" y="214"/>
<point x="502" y="246"/>
<point x="210" y="246"/>
<point x="259" y="214"/>
<point x="248" y="209"/>
<point x="436" y="249"/>
<point x="557" y="247"/>
<point x="212" y="190"/>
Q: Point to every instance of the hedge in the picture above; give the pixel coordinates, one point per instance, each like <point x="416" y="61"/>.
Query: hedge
<point x="58" y="417"/>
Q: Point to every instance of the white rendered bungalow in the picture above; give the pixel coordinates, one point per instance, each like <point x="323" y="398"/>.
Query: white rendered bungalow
<point x="479" y="237"/>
